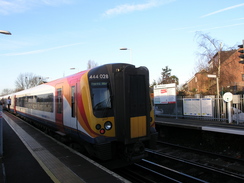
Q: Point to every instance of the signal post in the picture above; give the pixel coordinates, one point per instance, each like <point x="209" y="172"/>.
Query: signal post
<point x="242" y="52"/>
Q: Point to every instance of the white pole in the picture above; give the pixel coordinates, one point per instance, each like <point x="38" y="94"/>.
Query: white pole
<point x="229" y="112"/>
<point x="1" y="131"/>
<point x="218" y="108"/>
<point x="1" y="109"/>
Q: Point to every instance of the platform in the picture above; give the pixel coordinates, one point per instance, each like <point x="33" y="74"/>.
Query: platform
<point x="213" y="126"/>
<point x="31" y="156"/>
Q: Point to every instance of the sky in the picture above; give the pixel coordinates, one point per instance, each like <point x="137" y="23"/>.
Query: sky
<point x="51" y="36"/>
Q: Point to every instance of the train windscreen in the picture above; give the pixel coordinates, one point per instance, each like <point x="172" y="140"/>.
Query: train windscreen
<point x="100" y="94"/>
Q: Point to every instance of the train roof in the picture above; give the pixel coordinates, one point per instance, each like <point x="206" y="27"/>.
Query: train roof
<point x="56" y="81"/>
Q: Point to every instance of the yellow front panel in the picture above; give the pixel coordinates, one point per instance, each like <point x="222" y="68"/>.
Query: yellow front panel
<point x="92" y="121"/>
<point x="138" y="127"/>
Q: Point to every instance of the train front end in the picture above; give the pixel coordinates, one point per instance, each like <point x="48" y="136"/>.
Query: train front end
<point x="122" y="106"/>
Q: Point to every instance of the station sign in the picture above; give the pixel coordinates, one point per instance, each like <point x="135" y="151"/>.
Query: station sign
<point x="228" y="97"/>
<point x="165" y="94"/>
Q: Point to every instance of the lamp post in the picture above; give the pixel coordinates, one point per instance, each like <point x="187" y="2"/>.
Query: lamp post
<point x="130" y="53"/>
<point x="217" y="83"/>
<point x="1" y="110"/>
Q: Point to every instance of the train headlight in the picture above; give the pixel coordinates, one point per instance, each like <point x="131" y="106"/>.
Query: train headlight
<point x="107" y="125"/>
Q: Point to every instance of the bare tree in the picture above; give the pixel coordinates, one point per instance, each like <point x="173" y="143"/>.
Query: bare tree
<point x="28" y="80"/>
<point x="211" y="53"/>
<point x="6" y="91"/>
<point x="208" y="47"/>
<point x="91" y="64"/>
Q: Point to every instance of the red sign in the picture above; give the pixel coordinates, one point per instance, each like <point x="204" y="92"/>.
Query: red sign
<point x="164" y="91"/>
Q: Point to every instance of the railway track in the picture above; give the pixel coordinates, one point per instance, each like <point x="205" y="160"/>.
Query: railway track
<point x="150" y="172"/>
<point x="201" y="171"/>
<point x="232" y="164"/>
<point x="180" y="164"/>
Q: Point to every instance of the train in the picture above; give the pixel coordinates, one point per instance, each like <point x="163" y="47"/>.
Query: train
<point x="107" y="110"/>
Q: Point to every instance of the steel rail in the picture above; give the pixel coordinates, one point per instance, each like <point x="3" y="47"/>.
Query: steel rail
<point x="202" y="167"/>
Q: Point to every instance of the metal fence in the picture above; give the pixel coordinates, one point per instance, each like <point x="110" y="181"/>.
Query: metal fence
<point x="220" y="113"/>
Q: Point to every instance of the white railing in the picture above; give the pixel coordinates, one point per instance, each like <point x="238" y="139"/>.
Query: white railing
<point x="218" y="113"/>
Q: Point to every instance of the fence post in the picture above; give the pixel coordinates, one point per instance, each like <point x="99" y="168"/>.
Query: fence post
<point x="1" y="131"/>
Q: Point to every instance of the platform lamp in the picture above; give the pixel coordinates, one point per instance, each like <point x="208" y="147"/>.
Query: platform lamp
<point x="130" y="53"/>
<point x="74" y="68"/>
<point x="1" y="110"/>
<point x="5" y="32"/>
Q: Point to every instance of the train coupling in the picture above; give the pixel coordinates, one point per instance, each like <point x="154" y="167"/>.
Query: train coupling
<point x="134" y="152"/>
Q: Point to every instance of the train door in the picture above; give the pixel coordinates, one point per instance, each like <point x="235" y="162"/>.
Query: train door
<point x="132" y="108"/>
<point x="59" y="106"/>
<point x="15" y="100"/>
<point x="73" y="95"/>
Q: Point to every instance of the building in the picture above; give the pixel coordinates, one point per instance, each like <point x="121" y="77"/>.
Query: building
<point x="199" y="83"/>
<point x="230" y="71"/>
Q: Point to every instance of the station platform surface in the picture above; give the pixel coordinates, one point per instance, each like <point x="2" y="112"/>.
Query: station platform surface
<point x="205" y="125"/>
<point x="31" y="156"/>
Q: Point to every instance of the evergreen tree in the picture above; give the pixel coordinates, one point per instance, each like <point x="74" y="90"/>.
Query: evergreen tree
<point x="166" y="77"/>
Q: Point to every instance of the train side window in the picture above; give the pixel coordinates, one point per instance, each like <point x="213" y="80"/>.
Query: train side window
<point x="73" y="101"/>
